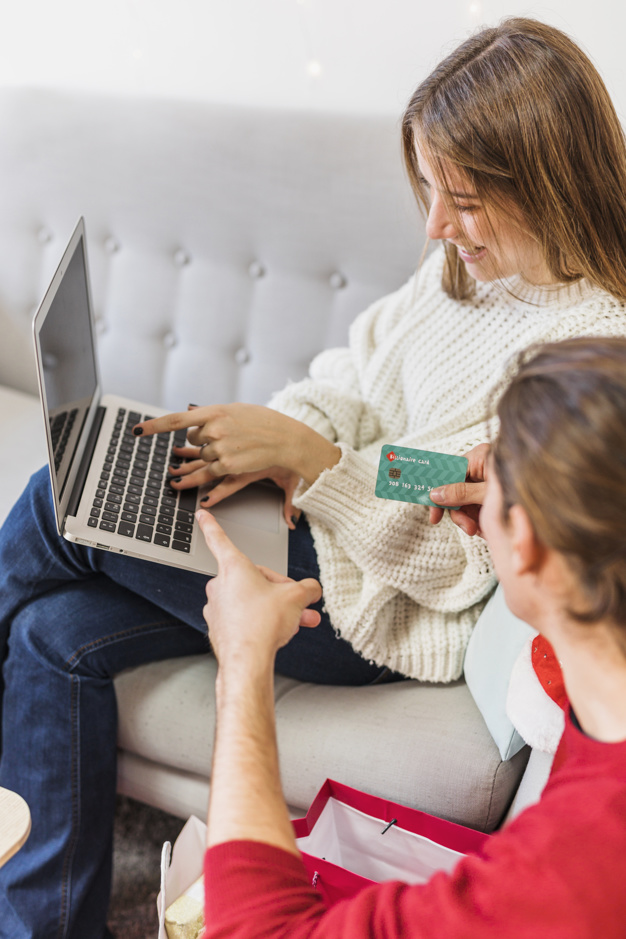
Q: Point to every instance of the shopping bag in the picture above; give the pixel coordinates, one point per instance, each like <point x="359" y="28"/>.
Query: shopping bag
<point x="350" y="839"/>
<point x="187" y="863"/>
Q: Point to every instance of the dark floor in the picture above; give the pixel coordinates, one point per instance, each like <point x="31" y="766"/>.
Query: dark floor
<point x="139" y="835"/>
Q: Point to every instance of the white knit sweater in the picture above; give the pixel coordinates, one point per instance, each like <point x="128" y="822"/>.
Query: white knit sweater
<point x="418" y="372"/>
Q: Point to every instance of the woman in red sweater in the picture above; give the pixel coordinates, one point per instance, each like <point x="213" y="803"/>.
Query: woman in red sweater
<point x="554" y="516"/>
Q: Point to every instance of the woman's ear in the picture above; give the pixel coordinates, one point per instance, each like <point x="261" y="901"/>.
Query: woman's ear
<point x="527" y="553"/>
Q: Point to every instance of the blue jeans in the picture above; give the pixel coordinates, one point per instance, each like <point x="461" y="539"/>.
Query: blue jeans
<point x="70" y="619"/>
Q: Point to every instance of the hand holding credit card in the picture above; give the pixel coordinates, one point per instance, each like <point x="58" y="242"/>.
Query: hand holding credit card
<point x="408" y="475"/>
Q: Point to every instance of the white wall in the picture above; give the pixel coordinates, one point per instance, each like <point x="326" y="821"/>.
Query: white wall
<point x="340" y="54"/>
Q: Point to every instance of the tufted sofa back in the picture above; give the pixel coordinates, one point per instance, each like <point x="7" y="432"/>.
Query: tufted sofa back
<point x="227" y="246"/>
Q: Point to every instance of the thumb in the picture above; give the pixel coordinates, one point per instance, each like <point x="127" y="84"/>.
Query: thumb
<point x="308" y="590"/>
<point x="454" y="494"/>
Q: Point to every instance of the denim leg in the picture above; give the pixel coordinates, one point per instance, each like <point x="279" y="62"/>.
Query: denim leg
<point x="59" y="748"/>
<point x="35" y="560"/>
<point x="319" y="655"/>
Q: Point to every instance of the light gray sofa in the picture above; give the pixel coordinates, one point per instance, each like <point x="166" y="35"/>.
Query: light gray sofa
<point x="227" y="247"/>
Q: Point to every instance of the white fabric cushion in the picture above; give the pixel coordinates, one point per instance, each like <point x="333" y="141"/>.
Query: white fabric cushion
<point x="23" y="444"/>
<point x="491" y="654"/>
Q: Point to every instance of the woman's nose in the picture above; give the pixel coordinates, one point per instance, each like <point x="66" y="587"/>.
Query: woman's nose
<point x="440" y="224"/>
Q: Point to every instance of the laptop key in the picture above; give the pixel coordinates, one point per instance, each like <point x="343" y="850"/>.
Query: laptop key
<point x="164" y="529"/>
<point x="162" y="540"/>
<point x="146" y="519"/>
<point x="187" y="501"/>
<point x="95" y="513"/>
<point x="144" y="533"/>
<point x="107" y="526"/>
<point x="181" y="546"/>
<point x="100" y="493"/>
<point x="125" y="528"/>
<point x="129" y="516"/>
<point x="183" y="526"/>
<point x="109" y="516"/>
<point x="92" y="522"/>
<point x="182" y="536"/>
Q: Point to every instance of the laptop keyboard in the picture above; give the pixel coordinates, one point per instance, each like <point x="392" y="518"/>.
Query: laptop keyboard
<point x="134" y="497"/>
<point x="60" y="430"/>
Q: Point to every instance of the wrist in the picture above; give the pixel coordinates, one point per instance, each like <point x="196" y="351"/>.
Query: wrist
<point x="313" y="454"/>
<point x="243" y="671"/>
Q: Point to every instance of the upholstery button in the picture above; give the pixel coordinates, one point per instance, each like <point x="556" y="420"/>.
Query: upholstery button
<point x="256" y="270"/>
<point x="242" y="356"/>
<point x="181" y="258"/>
<point x="169" y="340"/>
<point x="44" y="235"/>
<point x="337" y="281"/>
<point x="111" y="245"/>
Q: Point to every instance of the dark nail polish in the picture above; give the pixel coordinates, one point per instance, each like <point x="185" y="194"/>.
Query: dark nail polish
<point x="193" y="405"/>
<point x="138" y="431"/>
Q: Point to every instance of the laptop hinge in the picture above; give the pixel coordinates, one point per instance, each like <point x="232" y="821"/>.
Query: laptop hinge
<point x="85" y="463"/>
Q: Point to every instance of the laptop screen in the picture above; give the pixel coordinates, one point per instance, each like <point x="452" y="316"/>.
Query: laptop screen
<point x="69" y="370"/>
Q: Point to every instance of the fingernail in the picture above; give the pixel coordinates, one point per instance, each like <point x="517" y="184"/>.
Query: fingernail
<point x="198" y="515"/>
<point x="436" y="494"/>
<point x="137" y="431"/>
<point x="205" y="499"/>
<point x="192" y="405"/>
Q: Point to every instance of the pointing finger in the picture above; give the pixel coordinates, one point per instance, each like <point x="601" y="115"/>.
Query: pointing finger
<point x="180" y="420"/>
<point x="216" y="538"/>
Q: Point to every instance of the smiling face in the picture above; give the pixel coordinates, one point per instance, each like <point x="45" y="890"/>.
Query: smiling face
<point x="490" y="245"/>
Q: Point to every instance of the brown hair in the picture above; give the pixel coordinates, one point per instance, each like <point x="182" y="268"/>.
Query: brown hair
<point x="521" y="110"/>
<point x="561" y="454"/>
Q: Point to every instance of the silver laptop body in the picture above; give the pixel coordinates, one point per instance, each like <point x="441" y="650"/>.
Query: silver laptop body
<point x="111" y="490"/>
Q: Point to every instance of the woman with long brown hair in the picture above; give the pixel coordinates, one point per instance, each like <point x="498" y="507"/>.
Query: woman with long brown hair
<point x="515" y="148"/>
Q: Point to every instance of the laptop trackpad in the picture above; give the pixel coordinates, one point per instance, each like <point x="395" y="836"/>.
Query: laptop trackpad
<point x="258" y="506"/>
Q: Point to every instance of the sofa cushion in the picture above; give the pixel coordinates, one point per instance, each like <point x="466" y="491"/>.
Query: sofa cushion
<point x="23" y="448"/>
<point x="491" y="654"/>
<point x="420" y="744"/>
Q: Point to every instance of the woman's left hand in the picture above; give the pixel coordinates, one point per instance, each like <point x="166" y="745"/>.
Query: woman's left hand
<point x="238" y="439"/>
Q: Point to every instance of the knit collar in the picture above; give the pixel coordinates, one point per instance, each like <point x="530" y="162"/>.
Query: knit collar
<point x="558" y="295"/>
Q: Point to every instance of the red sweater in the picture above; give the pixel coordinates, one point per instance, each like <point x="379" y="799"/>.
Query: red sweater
<point x="558" y="871"/>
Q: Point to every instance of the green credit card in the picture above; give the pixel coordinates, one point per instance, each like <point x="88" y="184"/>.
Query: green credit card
<point x="408" y="475"/>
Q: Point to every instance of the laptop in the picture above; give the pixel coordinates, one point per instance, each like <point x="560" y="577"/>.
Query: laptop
<point x="110" y="489"/>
